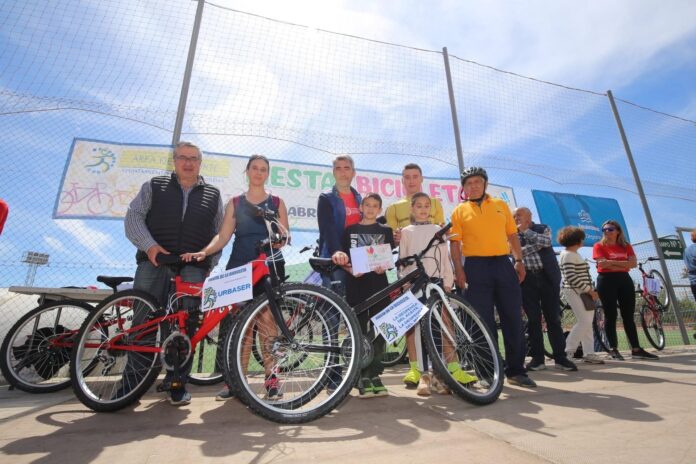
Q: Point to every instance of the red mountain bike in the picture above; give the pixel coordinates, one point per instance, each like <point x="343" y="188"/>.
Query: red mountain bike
<point x="296" y="344"/>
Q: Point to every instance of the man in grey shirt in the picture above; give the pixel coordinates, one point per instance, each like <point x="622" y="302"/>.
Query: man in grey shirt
<point x="174" y="214"/>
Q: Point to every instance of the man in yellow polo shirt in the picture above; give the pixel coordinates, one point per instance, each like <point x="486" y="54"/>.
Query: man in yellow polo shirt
<point x="398" y="214"/>
<point x="484" y="233"/>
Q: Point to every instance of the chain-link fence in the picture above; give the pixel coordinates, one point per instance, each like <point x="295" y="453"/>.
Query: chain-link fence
<point x="113" y="71"/>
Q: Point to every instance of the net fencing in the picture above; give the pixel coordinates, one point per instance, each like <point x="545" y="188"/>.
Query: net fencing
<point x="112" y="72"/>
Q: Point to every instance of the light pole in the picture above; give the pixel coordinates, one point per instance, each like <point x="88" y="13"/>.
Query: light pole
<point x="34" y="259"/>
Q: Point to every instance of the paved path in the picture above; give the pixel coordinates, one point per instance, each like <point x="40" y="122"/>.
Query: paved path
<point x="622" y="412"/>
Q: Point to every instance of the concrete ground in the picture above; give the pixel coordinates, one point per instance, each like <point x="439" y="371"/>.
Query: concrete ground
<point x="621" y="412"/>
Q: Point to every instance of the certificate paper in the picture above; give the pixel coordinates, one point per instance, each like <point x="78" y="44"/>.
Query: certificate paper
<point x="368" y="258"/>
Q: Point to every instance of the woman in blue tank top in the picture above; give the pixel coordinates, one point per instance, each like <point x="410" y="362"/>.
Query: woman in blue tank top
<point x="248" y="229"/>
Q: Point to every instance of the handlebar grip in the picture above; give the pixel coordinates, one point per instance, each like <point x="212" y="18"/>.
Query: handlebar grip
<point x="653" y="258"/>
<point x="441" y="233"/>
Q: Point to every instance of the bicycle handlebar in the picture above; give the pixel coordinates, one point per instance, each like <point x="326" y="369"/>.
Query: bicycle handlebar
<point x="439" y="237"/>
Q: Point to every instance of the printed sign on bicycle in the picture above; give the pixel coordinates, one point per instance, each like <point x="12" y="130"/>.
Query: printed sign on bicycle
<point x="227" y="288"/>
<point x="397" y="318"/>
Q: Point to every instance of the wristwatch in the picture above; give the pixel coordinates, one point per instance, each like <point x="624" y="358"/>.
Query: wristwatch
<point x="518" y="261"/>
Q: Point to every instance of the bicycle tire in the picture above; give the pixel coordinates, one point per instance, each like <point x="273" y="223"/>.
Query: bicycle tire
<point x="395" y="352"/>
<point x="300" y="387"/>
<point x="652" y="326"/>
<point x="28" y="360"/>
<point x="663" y="298"/>
<point x="477" y="354"/>
<point x="206" y="369"/>
<point x="109" y="389"/>
<point x="600" y="335"/>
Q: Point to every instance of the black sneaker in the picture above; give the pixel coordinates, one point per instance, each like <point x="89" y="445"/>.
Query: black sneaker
<point x="179" y="397"/>
<point x="614" y="353"/>
<point x="566" y="364"/>
<point x="365" y="388"/>
<point x="640" y="353"/>
<point x="378" y="388"/>
<point x="536" y="365"/>
<point x="522" y="380"/>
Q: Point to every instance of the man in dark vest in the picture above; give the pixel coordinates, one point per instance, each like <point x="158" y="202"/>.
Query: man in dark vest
<point x="541" y="291"/>
<point x="172" y="214"/>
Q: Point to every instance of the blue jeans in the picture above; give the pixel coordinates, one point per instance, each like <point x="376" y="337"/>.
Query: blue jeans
<point x="157" y="282"/>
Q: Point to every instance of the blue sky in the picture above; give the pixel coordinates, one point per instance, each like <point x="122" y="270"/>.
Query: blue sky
<point x="113" y="63"/>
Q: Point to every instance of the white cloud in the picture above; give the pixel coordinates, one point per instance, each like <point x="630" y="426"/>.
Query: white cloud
<point x="95" y="241"/>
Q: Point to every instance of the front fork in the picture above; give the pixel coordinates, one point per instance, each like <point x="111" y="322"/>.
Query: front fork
<point x="431" y="287"/>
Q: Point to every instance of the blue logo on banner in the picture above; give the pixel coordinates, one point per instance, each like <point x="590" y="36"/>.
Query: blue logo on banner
<point x="558" y="210"/>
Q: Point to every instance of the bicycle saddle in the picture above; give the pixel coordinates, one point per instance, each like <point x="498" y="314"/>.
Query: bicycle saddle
<point x="113" y="282"/>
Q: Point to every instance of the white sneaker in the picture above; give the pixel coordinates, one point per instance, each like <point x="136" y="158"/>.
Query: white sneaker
<point x="593" y="358"/>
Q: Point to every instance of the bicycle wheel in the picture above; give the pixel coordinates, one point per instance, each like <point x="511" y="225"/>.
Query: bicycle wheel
<point x="292" y="320"/>
<point x="36" y="350"/>
<point x="107" y="367"/>
<point x="395" y="352"/>
<point x="461" y="339"/>
<point x="600" y="335"/>
<point x="651" y="320"/>
<point x="206" y="368"/>
<point x="663" y="297"/>
<point x="326" y="336"/>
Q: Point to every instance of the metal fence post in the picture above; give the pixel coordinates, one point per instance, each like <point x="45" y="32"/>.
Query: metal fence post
<point x="453" y="108"/>
<point x="649" y="219"/>
<point x="183" y="97"/>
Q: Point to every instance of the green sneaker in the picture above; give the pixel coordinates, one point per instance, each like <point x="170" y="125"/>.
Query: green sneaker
<point x="378" y="387"/>
<point x="460" y="375"/>
<point x="365" y="389"/>
<point x="412" y="377"/>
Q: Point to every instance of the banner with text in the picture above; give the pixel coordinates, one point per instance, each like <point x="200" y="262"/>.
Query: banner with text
<point x="101" y="178"/>
<point x="558" y="210"/>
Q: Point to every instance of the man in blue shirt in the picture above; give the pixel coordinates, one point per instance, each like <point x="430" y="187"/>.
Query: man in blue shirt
<point x="690" y="261"/>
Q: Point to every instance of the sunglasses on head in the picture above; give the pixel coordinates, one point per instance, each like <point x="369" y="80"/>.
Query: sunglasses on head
<point x="608" y="229"/>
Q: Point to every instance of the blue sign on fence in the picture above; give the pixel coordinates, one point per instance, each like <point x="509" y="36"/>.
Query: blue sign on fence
<point x="558" y="210"/>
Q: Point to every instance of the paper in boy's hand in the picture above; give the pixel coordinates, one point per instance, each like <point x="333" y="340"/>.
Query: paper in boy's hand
<point x="368" y="258"/>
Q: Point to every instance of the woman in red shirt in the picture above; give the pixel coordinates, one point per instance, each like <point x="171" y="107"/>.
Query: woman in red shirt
<point x="615" y="257"/>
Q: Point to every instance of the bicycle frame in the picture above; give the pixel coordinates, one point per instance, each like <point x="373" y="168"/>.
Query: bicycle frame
<point x="182" y="288"/>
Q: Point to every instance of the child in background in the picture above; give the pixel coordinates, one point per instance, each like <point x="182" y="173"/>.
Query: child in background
<point x="359" y="287"/>
<point x="414" y="239"/>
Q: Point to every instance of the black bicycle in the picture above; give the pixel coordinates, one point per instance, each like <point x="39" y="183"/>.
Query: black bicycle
<point x="452" y="329"/>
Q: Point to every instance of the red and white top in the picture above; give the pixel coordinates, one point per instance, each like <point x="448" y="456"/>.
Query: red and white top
<point x="612" y="252"/>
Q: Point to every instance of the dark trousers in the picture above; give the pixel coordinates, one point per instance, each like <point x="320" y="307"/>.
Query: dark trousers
<point x="492" y="281"/>
<point x="336" y="282"/>
<point x="618" y="287"/>
<point x="375" y="367"/>
<point x="540" y="295"/>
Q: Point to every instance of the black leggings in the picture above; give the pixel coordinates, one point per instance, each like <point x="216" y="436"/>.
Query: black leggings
<point x="613" y="287"/>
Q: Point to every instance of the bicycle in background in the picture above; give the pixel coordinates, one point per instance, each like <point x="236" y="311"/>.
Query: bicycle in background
<point x="653" y="305"/>
<point x="35" y="353"/>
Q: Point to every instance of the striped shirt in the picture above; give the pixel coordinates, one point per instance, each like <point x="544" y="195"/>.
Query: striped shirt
<point x="576" y="272"/>
<point x="136" y="228"/>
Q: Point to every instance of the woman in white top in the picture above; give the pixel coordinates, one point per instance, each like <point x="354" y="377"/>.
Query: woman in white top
<point x="577" y="280"/>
